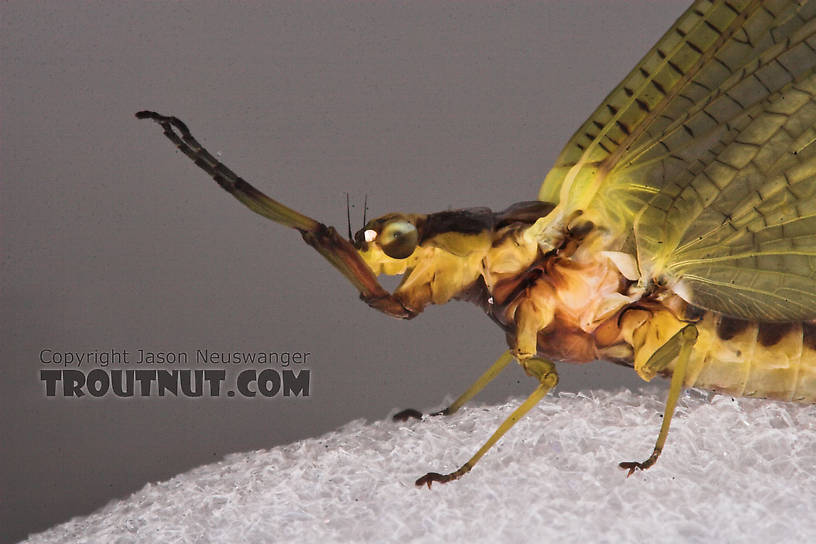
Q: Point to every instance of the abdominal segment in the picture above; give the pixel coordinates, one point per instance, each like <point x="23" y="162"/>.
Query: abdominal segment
<point x="734" y="357"/>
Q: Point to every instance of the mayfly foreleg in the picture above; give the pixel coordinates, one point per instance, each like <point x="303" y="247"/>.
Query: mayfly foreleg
<point x="679" y="346"/>
<point x="177" y="132"/>
<point x="494" y="370"/>
<point x="326" y="240"/>
<point x="547" y="377"/>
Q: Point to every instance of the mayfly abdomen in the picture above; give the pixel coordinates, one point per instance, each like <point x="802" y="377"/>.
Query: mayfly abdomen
<point x="740" y="358"/>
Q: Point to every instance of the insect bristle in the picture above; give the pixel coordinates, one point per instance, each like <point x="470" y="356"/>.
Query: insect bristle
<point x="348" y="216"/>
<point x="365" y="208"/>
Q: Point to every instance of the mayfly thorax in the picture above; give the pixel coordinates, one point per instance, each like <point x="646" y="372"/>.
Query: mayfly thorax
<point x="675" y="234"/>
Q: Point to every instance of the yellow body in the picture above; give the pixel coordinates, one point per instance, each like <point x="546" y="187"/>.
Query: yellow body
<point x="739" y="366"/>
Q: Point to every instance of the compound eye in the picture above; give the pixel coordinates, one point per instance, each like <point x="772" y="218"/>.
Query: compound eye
<point x="399" y="239"/>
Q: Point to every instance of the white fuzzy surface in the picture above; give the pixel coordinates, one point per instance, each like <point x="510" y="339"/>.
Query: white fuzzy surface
<point x="733" y="470"/>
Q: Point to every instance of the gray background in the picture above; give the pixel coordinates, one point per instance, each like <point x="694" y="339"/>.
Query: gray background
<point x="113" y="240"/>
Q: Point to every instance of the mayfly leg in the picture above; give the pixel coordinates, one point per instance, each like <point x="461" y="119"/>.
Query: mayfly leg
<point x="177" y="132"/>
<point x="680" y="346"/>
<point x="339" y="252"/>
<point x="488" y="376"/>
<point x="547" y="377"/>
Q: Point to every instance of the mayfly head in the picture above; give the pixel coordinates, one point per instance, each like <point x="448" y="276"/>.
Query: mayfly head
<point x="438" y="254"/>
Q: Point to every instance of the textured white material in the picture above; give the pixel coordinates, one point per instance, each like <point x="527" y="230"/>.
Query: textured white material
<point x="733" y="470"/>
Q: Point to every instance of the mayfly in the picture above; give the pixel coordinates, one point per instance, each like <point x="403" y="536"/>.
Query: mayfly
<point x="675" y="234"/>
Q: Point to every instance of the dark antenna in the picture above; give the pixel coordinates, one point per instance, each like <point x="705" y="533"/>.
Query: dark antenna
<point x="348" y="216"/>
<point x="365" y="209"/>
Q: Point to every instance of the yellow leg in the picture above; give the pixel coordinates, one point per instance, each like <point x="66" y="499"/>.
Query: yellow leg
<point x="681" y="344"/>
<point x="472" y="391"/>
<point x="478" y="385"/>
<point x="547" y="377"/>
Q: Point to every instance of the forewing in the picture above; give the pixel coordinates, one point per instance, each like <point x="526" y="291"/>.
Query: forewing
<point x="737" y="233"/>
<point x="704" y="153"/>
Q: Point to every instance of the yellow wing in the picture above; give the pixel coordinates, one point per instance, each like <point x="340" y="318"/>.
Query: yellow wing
<point x="703" y="158"/>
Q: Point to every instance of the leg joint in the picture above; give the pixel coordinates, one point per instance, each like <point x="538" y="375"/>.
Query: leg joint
<point x="543" y="371"/>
